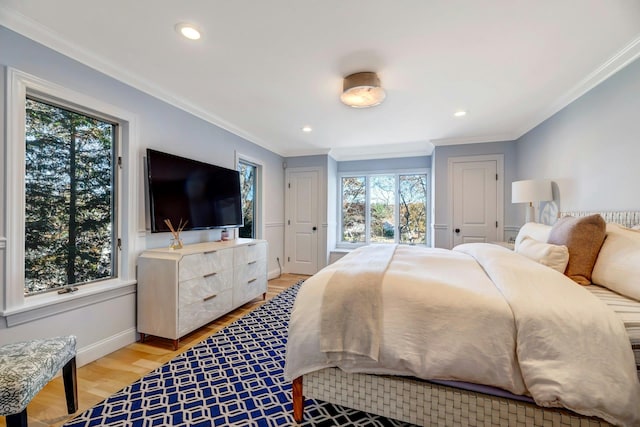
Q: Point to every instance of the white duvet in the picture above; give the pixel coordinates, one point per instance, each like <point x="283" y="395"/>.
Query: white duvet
<point x="485" y="315"/>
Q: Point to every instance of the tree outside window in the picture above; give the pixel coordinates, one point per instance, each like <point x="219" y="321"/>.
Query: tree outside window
<point x="384" y="208"/>
<point x="353" y="209"/>
<point x="69" y="198"/>
<point x="248" y="194"/>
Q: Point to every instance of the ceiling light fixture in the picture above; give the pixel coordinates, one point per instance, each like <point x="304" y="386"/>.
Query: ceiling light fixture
<point x="362" y="90"/>
<point x="189" y="31"/>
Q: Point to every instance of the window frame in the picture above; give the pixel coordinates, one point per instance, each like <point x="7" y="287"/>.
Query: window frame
<point x="114" y="185"/>
<point x="341" y="244"/>
<point x="258" y="220"/>
<point x="14" y="305"/>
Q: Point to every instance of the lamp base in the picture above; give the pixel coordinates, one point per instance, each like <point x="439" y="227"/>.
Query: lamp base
<point x="530" y="214"/>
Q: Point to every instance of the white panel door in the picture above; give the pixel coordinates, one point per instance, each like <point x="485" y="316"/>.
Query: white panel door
<point x="302" y="222"/>
<point x="475" y="201"/>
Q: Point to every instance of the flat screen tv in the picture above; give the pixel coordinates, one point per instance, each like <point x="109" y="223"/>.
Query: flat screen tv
<point x="205" y="195"/>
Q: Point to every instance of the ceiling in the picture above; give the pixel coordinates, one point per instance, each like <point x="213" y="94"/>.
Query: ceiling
<point x="265" y="69"/>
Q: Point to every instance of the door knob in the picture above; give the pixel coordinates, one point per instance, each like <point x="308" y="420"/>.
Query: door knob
<point x="314" y="228"/>
<point x="457" y="230"/>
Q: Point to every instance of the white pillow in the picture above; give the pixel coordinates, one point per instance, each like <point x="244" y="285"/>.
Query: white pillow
<point x="535" y="230"/>
<point x="618" y="264"/>
<point x="554" y="256"/>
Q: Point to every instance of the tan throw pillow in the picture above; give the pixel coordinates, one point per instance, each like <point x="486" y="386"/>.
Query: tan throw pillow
<point x="554" y="256"/>
<point x="583" y="237"/>
<point x="618" y="263"/>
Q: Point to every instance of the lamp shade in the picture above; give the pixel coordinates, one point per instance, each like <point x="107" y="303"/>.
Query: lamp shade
<point x="531" y="190"/>
<point x="362" y="90"/>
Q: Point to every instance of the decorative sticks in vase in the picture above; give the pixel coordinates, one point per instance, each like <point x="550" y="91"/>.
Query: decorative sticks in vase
<point x="176" y="241"/>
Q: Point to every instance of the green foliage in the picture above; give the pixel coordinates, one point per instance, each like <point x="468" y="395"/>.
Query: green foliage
<point x="248" y="194"/>
<point x="68" y="198"/>
<point x="353" y="209"/>
<point x="408" y="191"/>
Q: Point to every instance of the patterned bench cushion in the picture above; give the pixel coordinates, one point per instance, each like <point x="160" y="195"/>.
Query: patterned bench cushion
<point x="26" y="367"/>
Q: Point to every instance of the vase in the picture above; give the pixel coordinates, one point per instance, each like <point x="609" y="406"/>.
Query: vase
<point x="175" y="243"/>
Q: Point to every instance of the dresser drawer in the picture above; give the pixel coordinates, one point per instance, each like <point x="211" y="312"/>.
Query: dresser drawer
<point x="247" y="290"/>
<point x="190" y="291"/>
<point x="201" y="264"/>
<point x="251" y="270"/>
<point x="199" y="313"/>
<point x="251" y="252"/>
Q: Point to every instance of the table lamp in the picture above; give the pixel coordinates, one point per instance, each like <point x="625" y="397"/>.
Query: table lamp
<point x="529" y="191"/>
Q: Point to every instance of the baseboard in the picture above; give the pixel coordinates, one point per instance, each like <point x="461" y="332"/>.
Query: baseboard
<point x="103" y="347"/>
<point x="273" y="274"/>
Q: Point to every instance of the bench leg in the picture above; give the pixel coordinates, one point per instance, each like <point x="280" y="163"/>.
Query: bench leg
<point x="17" y="420"/>
<point x="70" y="385"/>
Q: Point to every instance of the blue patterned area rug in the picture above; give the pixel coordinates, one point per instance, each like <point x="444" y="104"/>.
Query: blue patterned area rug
<point x="233" y="378"/>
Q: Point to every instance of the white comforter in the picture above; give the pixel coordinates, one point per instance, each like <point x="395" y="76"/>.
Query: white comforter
<point x="485" y="315"/>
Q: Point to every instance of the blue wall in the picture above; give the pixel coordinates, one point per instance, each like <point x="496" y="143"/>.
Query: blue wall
<point x="591" y="148"/>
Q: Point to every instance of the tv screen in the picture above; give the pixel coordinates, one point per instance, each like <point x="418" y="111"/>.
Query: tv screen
<point x="205" y="195"/>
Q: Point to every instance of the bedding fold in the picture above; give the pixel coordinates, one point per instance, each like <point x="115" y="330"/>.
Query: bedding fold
<point x="479" y="314"/>
<point x="565" y="337"/>
<point x="351" y="316"/>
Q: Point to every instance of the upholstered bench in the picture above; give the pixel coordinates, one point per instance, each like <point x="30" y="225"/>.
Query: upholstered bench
<point x="26" y="367"/>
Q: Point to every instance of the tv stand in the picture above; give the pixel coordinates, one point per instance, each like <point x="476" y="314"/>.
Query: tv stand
<point x="180" y="290"/>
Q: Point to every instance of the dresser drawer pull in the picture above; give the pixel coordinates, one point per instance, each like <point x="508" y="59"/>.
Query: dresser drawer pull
<point x="209" y="275"/>
<point x="210" y="252"/>
<point x="251" y="281"/>
<point x="209" y="297"/>
<point x="251" y="262"/>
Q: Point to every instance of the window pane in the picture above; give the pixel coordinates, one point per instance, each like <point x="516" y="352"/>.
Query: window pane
<point x="413" y="214"/>
<point x="69" y="203"/>
<point x="382" y="202"/>
<point x="248" y="192"/>
<point x="353" y="209"/>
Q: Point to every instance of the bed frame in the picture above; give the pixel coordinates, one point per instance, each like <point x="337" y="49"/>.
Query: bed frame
<point x="426" y="403"/>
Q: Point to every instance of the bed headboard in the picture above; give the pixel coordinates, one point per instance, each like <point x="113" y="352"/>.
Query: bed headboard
<point x="626" y="218"/>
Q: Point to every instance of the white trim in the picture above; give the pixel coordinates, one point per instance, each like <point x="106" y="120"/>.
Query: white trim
<point x="259" y="195"/>
<point x="106" y="346"/>
<point x="621" y="59"/>
<point x="499" y="159"/>
<point x="273" y="224"/>
<point x="41" y="34"/>
<point x="18" y="84"/>
<point x="52" y="303"/>
<point x="3" y="242"/>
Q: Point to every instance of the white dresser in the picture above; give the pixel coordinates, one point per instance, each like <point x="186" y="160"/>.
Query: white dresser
<point x="180" y="290"/>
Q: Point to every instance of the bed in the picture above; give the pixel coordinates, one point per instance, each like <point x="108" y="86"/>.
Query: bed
<point x="497" y="339"/>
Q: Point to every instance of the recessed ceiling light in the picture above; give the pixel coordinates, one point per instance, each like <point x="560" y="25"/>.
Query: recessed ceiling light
<point x="307" y="129"/>
<point x="460" y="113"/>
<point x="190" y="31"/>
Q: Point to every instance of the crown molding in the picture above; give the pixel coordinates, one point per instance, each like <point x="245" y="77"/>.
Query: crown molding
<point x="474" y="139"/>
<point x="37" y="32"/>
<point x="614" y="64"/>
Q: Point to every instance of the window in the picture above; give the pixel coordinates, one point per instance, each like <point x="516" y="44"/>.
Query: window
<point x="34" y="197"/>
<point x="384" y="208"/>
<point x="69" y="197"/>
<point x="248" y="185"/>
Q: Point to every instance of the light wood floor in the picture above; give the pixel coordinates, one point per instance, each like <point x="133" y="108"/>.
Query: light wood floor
<point x="103" y="377"/>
